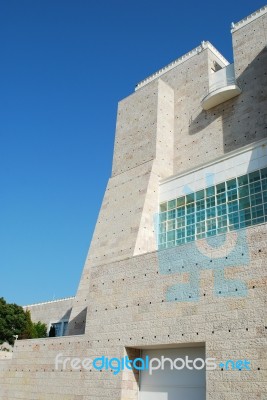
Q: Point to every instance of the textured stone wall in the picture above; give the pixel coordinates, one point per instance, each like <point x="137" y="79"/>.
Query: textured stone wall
<point x="125" y="224"/>
<point x="51" y="311"/>
<point x="128" y="308"/>
<point x="129" y="293"/>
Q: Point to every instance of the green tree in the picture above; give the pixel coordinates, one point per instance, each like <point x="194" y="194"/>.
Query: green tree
<point x="39" y="330"/>
<point x="12" y="321"/>
<point x="15" y="321"/>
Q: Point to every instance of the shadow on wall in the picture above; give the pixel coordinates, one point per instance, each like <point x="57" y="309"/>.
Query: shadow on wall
<point x="248" y="109"/>
<point x="77" y="325"/>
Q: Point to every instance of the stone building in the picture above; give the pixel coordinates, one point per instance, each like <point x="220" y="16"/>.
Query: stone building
<point x="177" y="263"/>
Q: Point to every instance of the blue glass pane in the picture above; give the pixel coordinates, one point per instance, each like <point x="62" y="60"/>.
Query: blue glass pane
<point x="210" y="191"/>
<point x="171" y="214"/>
<point x="200" y="205"/>
<point x="242" y="180"/>
<point x="163" y="217"/>
<point x="171" y="204"/>
<point x="221" y="198"/>
<point x="243" y="191"/>
<point x="220" y="188"/>
<point x="180" y="201"/>
<point x="190" y="208"/>
<point x="211" y="212"/>
<point x="231" y="184"/>
<point x="200" y="194"/>
<point x="254" y="176"/>
<point x="238" y="203"/>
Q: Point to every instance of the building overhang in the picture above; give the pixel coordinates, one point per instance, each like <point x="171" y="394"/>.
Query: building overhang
<point x="220" y="96"/>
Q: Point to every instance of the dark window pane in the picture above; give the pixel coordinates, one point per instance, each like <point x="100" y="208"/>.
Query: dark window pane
<point x="180" y="201"/>
<point x="220" y="188"/>
<point x="254" y="176"/>
<point x="231" y="184"/>
<point x="190" y="198"/>
<point x="200" y="194"/>
<point x="243" y="191"/>
<point x="242" y="180"/>
<point x="210" y="191"/>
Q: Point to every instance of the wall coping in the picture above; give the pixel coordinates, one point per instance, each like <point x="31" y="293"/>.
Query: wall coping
<point x="203" y="46"/>
<point x="48" y="302"/>
<point x="256" y="14"/>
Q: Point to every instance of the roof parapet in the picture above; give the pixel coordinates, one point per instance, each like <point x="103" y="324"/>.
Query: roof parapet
<point x="50" y="301"/>
<point x="203" y="46"/>
<point x="256" y="14"/>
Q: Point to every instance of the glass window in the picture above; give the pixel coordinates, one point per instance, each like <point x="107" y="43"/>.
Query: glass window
<point x="58" y="328"/>
<point x="171" y="214"/>
<point x="180" y="212"/>
<point x="200" y="227"/>
<point x="163" y="207"/>
<point x="222" y="230"/>
<point x="221" y="198"/>
<point x="171" y="204"/>
<point x="65" y="326"/>
<point x="190" y="230"/>
<point x="232" y="195"/>
<point x="231" y="184"/>
<point x="233" y="218"/>
<point x="200" y="205"/>
<point x="180" y="201"/>
<point x="210" y="191"/>
<point x="201" y="235"/>
<point x="190" y="238"/>
<point x="221" y="210"/>
<point x="190" y="198"/>
<point x="222" y="221"/>
<point x="237" y="203"/>
<point x="200" y="194"/>
<point x="256" y="199"/>
<point x="200" y="216"/>
<point x="162" y="227"/>
<point x="255" y="187"/>
<point x="264" y="184"/>
<point x="210" y="202"/>
<point x="257" y="211"/>
<point x="170" y="235"/>
<point x="220" y="188"/>
<point x="162" y="238"/>
<point x="171" y="225"/>
<point x="163" y="217"/>
<point x="211" y="212"/>
<point x="263" y="173"/>
<point x="211" y="224"/>
<point x="242" y="180"/>
<point x="180" y="233"/>
<point x="244" y="203"/>
<point x="211" y="233"/>
<point x="190" y="208"/>
<point x="180" y="241"/>
<point x="232" y="206"/>
<point x="190" y="219"/>
<point x="243" y="191"/>
<point x="180" y="222"/>
<point x="254" y="176"/>
<point x="245" y="215"/>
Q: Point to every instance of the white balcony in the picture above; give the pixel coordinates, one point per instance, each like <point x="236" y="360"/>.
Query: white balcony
<point x="222" y="87"/>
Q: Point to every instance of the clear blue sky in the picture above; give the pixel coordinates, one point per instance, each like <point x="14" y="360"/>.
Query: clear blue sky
<point x="64" y="66"/>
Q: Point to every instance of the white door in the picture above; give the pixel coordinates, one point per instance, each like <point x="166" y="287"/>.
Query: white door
<point x="167" y="384"/>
